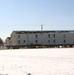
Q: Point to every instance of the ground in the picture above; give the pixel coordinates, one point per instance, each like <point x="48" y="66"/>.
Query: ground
<point x="47" y="61"/>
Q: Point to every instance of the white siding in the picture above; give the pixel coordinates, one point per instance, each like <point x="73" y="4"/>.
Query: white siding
<point x="54" y="38"/>
<point x="13" y="38"/>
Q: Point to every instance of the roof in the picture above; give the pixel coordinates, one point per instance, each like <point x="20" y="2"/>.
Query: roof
<point x="53" y="31"/>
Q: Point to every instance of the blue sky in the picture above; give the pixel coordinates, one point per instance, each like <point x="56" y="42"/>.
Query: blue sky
<point x="30" y="14"/>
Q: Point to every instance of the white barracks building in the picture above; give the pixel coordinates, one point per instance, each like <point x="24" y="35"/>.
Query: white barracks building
<point x="19" y="39"/>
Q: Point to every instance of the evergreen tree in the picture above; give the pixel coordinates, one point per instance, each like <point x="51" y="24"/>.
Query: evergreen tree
<point x="1" y="41"/>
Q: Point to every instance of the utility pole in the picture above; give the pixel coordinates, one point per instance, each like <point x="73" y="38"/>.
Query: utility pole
<point x="42" y="34"/>
<point x="42" y="28"/>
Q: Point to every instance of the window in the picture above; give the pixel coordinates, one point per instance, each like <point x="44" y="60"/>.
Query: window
<point x="48" y="41"/>
<point x="36" y="41"/>
<point x="54" y="41"/>
<point x="73" y="41"/>
<point x="54" y="35"/>
<point x="64" y="36"/>
<point x="36" y="36"/>
<point x="19" y="36"/>
<point x="19" y="41"/>
<point x="64" y="41"/>
<point x="73" y="35"/>
<point x="24" y="41"/>
<point x="48" y="35"/>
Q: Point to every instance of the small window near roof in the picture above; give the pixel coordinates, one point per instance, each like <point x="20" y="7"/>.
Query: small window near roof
<point x="36" y="36"/>
<point x="54" y="35"/>
<point x="49" y="35"/>
<point x="18" y="36"/>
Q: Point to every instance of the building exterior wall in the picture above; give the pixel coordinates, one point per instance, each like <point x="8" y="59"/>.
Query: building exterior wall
<point x="39" y="38"/>
<point x="8" y="41"/>
<point x="13" y="38"/>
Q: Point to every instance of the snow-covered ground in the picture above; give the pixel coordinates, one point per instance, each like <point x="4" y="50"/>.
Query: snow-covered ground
<point x="49" y="61"/>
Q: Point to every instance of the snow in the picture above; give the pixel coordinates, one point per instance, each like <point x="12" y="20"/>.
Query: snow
<point x="47" y="61"/>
